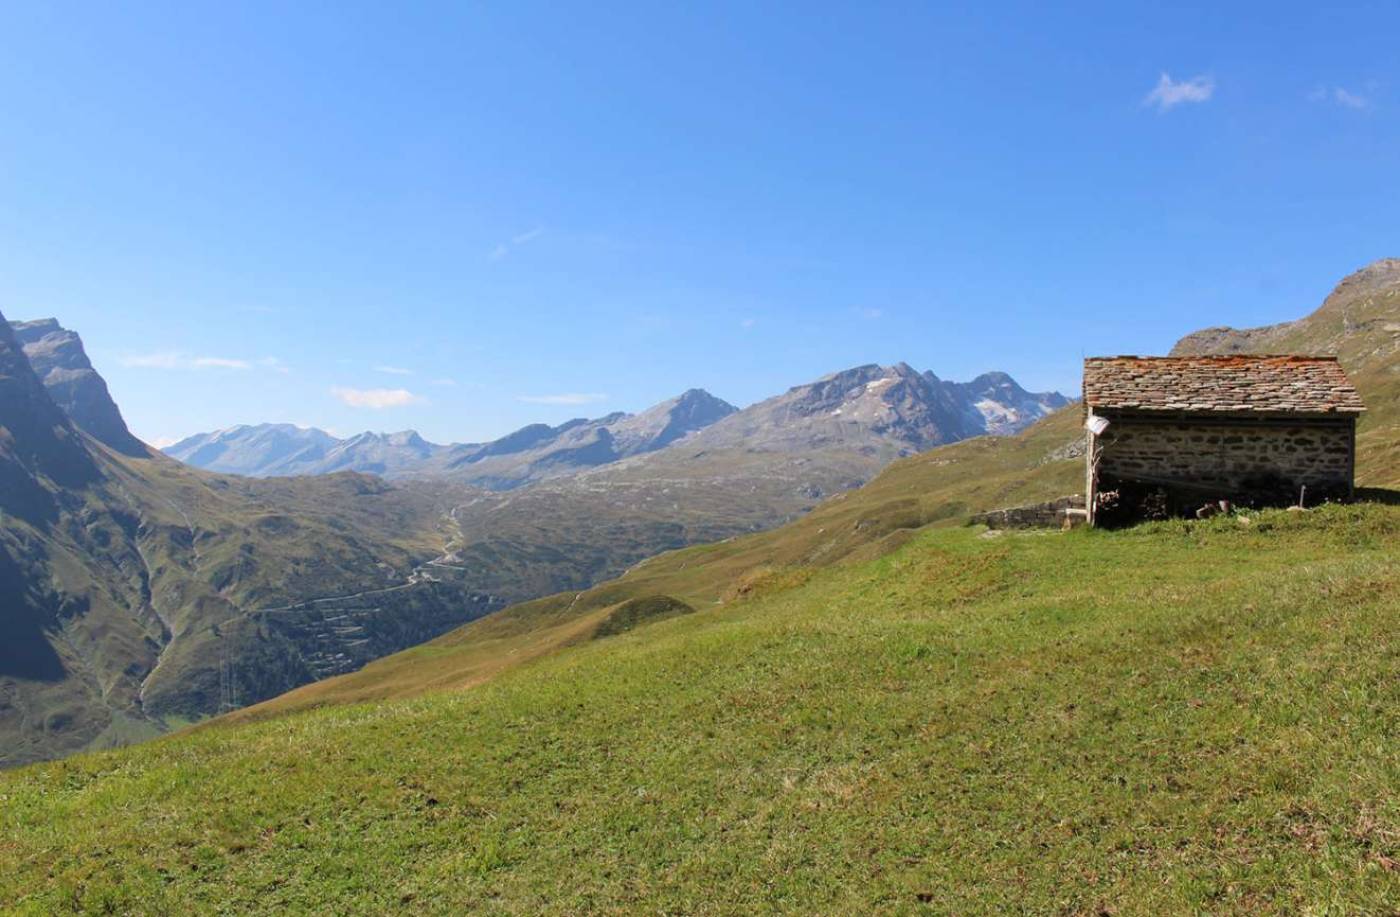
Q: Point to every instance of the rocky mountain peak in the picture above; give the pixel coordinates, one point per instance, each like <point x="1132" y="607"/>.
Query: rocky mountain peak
<point x="59" y="360"/>
<point x="407" y="439"/>
<point x="36" y="437"/>
<point x="1374" y="277"/>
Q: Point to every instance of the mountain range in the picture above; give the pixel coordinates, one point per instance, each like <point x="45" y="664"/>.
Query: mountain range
<point x="919" y="411"/>
<point x="1359" y="323"/>
<point x="144" y="593"/>
<point x="149" y="593"/>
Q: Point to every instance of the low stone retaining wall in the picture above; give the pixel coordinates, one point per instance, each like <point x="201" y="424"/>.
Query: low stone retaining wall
<point x="1061" y="513"/>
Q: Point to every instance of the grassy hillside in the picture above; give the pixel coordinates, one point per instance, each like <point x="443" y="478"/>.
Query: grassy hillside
<point x="939" y="486"/>
<point x="1133" y="722"/>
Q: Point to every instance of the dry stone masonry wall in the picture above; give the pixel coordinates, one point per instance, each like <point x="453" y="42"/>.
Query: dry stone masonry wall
<point x="1234" y="458"/>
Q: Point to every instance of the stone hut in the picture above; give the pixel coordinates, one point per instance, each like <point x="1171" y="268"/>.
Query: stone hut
<point x="1173" y="436"/>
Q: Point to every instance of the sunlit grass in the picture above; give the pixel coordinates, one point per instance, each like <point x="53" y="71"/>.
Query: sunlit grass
<point x="1175" y="718"/>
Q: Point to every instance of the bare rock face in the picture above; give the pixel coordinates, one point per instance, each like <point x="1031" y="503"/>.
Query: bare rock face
<point x="58" y="359"/>
<point x="37" y="442"/>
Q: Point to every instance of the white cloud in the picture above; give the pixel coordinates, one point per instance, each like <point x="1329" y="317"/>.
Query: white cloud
<point x="1339" y="96"/>
<point x="1169" y="93"/>
<point x="176" y="360"/>
<point x="1348" y="99"/>
<point x="872" y="314"/>
<point x="500" y="252"/>
<point x="565" y="398"/>
<point x="275" y="365"/>
<point x="748" y="323"/>
<point x="394" y="370"/>
<point x="375" y="398"/>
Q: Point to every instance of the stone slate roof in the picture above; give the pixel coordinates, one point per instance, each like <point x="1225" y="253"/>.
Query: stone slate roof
<point x="1234" y="384"/>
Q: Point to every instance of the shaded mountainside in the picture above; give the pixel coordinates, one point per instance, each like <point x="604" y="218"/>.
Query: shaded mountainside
<point x="1359" y="323"/>
<point x="140" y="593"/>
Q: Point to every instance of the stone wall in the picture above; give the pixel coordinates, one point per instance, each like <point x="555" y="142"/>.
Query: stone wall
<point x="1038" y="515"/>
<point x="1230" y="456"/>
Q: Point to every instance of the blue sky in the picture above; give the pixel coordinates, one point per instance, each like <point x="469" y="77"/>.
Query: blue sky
<point x="464" y="217"/>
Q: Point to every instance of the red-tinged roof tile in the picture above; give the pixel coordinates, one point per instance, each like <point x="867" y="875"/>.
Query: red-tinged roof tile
<point x="1233" y="384"/>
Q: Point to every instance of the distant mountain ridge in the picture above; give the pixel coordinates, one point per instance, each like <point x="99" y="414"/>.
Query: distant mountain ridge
<point x="895" y="407"/>
<point x="531" y="453"/>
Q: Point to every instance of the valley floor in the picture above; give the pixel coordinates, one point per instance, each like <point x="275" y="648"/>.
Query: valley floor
<point x="1174" y="718"/>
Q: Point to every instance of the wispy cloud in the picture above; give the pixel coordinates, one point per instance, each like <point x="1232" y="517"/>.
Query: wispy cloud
<point x="275" y="365"/>
<point x="445" y="382"/>
<point x="503" y="250"/>
<point x="1339" y="96"/>
<point x="564" y="398"/>
<point x="375" y="398"/>
<point x="1169" y="93"/>
<point x="870" y="314"/>
<point x="174" y="359"/>
<point x="748" y="323"/>
<point x="394" y="370"/>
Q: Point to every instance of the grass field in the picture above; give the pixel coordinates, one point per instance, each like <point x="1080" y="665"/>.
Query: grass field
<point x="1198" y="717"/>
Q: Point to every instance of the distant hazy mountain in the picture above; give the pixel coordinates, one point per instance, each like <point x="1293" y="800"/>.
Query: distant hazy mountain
<point x="532" y="453"/>
<point x="538" y="452"/>
<point x="58" y="359"/>
<point x="259" y="451"/>
<point x="888" y="411"/>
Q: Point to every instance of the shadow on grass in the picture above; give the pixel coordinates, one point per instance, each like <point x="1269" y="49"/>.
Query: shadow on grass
<point x="1382" y="495"/>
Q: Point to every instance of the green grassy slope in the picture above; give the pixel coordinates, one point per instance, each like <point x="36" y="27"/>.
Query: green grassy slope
<point x="1179" y="717"/>
<point x="939" y="486"/>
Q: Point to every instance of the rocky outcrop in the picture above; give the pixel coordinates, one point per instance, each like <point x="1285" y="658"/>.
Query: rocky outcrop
<point x="59" y="360"/>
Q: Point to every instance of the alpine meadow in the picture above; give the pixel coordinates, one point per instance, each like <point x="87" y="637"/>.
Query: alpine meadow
<point x="552" y="459"/>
